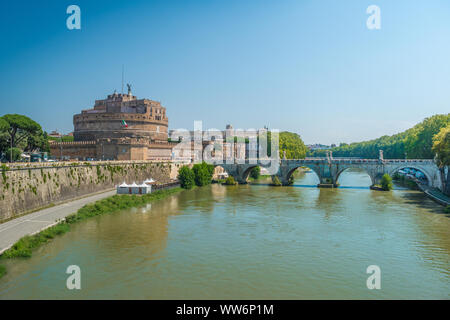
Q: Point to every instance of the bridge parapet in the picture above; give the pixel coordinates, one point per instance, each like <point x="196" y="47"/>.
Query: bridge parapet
<point x="329" y="169"/>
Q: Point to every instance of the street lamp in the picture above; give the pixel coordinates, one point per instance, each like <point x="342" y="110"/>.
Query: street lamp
<point x="60" y="145"/>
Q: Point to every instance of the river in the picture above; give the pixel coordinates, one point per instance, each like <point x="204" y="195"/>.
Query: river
<point x="251" y="242"/>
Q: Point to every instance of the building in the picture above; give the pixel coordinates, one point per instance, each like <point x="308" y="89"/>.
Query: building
<point x="55" y="134"/>
<point x="120" y="127"/>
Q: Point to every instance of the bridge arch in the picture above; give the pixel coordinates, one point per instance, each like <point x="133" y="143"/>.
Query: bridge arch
<point x="413" y="166"/>
<point x="247" y="171"/>
<point x="311" y="167"/>
<point x="370" y="174"/>
<point x="239" y="172"/>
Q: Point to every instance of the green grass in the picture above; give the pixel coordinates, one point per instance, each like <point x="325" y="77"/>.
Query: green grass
<point x="25" y="246"/>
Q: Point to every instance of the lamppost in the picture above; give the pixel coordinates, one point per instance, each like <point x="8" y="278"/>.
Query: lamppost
<point x="60" y="145"/>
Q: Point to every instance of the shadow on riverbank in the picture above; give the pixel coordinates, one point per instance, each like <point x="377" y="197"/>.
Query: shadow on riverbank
<point x="421" y="200"/>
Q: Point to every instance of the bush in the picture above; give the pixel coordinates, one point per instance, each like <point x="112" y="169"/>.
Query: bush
<point x="202" y="173"/>
<point x="186" y="177"/>
<point x="230" y="181"/>
<point x="255" y="172"/>
<point x="386" y="182"/>
<point x="276" y="181"/>
<point x="447" y="209"/>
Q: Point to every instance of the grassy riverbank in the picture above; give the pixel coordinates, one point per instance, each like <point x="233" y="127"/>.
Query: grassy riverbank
<point x="25" y="246"/>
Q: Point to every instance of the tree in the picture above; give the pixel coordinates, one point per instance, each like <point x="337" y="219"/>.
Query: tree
<point x="20" y="127"/>
<point x="4" y="125"/>
<point x="386" y="182"/>
<point x="16" y="153"/>
<point x="415" y="142"/>
<point x="441" y="146"/>
<point x="202" y="173"/>
<point x="38" y="142"/>
<point x="255" y="172"/>
<point x="186" y="177"/>
<point x="293" y="144"/>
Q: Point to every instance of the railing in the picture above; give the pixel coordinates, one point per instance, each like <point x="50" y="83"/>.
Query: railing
<point x="335" y="160"/>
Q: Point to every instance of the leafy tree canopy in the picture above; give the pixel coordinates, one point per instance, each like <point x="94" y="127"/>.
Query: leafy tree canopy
<point x="23" y="133"/>
<point x="186" y="177"/>
<point x="293" y="144"/>
<point x="414" y="143"/>
<point x="441" y="146"/>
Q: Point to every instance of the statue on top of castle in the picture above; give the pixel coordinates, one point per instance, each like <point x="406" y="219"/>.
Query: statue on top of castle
<point x="129" y="88"/>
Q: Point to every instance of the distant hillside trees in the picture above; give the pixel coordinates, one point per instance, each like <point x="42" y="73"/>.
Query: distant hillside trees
<point x="414" y="143"/>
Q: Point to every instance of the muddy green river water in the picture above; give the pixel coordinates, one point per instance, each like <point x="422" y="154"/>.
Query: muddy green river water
<point x="251" y="242"/>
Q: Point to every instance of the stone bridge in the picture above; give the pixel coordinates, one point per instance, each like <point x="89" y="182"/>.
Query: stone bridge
<point x="328" y="169"/>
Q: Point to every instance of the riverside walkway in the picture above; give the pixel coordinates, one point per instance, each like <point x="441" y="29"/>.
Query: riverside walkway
<point x="35" y="222"/>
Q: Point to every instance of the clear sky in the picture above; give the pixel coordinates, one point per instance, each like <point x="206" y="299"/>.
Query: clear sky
<point x="310" y="67"/>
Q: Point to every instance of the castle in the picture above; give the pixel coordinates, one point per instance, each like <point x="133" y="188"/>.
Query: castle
<point x="120" y="127"/>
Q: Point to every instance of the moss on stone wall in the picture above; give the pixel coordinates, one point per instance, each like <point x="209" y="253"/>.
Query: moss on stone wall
<point x="35" y="187"/>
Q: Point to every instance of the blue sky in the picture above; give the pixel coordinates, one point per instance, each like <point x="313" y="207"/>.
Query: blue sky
<point x="311" y="67"/>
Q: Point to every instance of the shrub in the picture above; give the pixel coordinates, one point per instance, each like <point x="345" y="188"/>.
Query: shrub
<point x="447" y="209"/>
<point x="186" y="177"/>
<point x="203" y="173"/>
<point x="230" y="181"/>
<point x="386" y="182"/>
<point x="255" y="172"/>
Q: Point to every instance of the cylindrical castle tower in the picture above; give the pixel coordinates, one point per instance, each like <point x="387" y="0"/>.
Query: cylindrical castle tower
<point x="122" y="116"/>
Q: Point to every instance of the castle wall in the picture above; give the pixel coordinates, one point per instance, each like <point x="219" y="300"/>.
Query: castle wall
<point x="32" y="186"/>
<point x="92" y="126"/>
<point x="112" y="149"/>
<point x="74" y="150"/>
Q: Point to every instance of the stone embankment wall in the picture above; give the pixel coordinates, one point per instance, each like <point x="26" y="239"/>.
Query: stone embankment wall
<point x="27" y="187"/>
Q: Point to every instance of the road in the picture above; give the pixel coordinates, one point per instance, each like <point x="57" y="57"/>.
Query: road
<point x="32" y="223"/>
